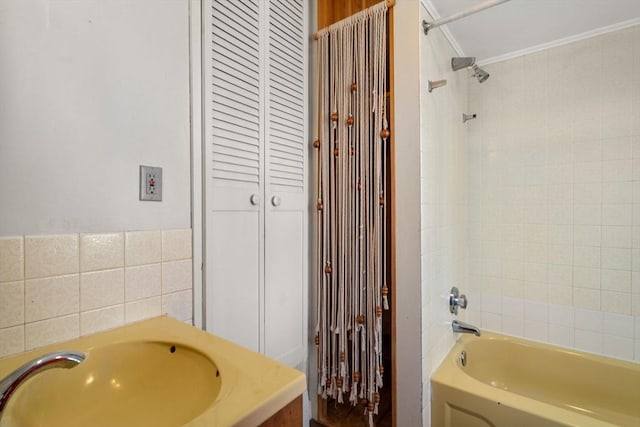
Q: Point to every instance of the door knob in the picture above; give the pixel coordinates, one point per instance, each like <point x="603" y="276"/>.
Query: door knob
<point x="275" y="201"/>
<point x="254" y="199"/>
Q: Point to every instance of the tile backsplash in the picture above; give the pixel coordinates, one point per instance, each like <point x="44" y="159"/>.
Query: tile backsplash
<point x="59" y="287"/>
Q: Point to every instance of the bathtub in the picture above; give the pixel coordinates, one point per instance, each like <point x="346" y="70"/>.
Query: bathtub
<point x="508" y="382"/>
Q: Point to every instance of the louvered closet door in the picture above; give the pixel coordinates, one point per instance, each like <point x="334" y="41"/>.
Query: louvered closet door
<point x="285" y="170"/>
<point x="256" y="216"/>
<point x="234" y="117"/>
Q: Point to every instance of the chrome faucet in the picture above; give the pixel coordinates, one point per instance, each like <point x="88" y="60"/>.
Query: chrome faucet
<point x="464" y="328"/>
<point x="62" y="359"/>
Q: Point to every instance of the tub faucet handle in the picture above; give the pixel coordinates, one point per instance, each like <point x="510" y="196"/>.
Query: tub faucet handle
<point x="456" y="300"/>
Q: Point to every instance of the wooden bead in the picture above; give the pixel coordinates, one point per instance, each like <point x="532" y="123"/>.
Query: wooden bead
<point x="342" y="356"/>
<point x="381" y="200"/>
<point x="385" y="290"/>
<point x="354" y="86"/>
<point x="360" y="319"/>
<point x="370" y="406"/>
<point x="317" y="339"/>
<point x="316" y="143"/>
<point x="353" y="151"/>
<point x="320" y="206"/>
<point x="381" y="369"/>
<point x="364" y="401"/>
<point x="379" y="311"/>
<point x="334" y="117"/>
<point x="339" y="382"/>
<point x="376" y="397"/>
<point x="328" y="269"/>
<point x="350" y="120"/>
<point x="328" y="382"/>
<point x="384" y="133"/>
<point x="356" y="377"/>
<point x="336" y="152"/>
<point x="359" y="186"/>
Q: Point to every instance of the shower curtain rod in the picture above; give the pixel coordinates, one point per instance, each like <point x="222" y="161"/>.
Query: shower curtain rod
<point x="426" y="26"/>
<point x="390" y="4"/>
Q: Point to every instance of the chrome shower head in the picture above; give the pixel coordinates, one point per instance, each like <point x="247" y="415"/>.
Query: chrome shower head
<point x="458" y="63"/>
<point x="480" y="74"/>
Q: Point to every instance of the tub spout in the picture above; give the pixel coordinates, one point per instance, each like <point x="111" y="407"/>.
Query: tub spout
<point x="9" y="384"/>
<point x="464" y="328"/>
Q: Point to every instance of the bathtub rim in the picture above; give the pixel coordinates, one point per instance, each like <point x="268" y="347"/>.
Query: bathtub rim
<point x="450" y="376"/>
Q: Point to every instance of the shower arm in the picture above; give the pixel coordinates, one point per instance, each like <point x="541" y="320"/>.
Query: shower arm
<point x="426" y="26"/>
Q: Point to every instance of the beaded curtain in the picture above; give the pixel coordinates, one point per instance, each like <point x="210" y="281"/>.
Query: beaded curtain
<point x="351" y="228"/>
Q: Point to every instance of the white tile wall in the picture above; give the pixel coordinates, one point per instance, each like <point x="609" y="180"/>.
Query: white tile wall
<point x="143" y="281"/>
<point x="101" y="251"/>
<point x="55" y="288"/>
<point x="12" y="340"/>
<point x="143" y="247"/>
<point x="444" y="236"/>
<point x="12" y="303"/>
<point x="142" y="309"/>
<point x="554" y="206"/>
<point x="51" y="297"/>
<point x="11" y="258"/>
<point x="100" y="289"/>
<point x="47" y="256"/>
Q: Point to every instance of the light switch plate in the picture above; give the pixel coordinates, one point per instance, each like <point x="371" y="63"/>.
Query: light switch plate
<point x="150" y="183"/>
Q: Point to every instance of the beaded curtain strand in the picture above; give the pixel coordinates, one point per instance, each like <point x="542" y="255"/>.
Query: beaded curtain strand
<point x="351" y="146"/>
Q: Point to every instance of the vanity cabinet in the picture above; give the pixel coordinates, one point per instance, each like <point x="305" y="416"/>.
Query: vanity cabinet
<point x="255" y="171"/>
<point x="289" y="416"/>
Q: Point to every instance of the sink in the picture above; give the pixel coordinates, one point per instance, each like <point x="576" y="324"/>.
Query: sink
<point x="153" y="383"/>
<point x="158" y="372"/>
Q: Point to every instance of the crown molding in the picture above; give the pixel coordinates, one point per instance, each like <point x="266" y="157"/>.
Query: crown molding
<point x="560" y="42"/>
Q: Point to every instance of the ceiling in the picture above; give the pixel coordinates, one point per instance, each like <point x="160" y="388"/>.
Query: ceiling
<point x="521" y="26"/>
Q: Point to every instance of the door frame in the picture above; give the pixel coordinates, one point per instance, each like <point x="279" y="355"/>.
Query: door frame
<point x="197" y="141"/>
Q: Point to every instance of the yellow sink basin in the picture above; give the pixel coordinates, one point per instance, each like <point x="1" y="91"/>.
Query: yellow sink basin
<point x="125" y="384"/>
<point x="158" y="372"/>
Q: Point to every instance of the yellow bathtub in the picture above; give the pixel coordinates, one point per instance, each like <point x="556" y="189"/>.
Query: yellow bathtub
<point x="507" y="382"/>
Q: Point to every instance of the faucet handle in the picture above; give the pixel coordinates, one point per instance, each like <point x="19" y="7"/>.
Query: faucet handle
<point x="456" y="300"/>
<point x="462" y="301"/>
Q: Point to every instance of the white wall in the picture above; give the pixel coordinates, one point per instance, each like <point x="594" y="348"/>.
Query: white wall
<point x="89" y="90"/>
<point x="444" y="188"/>
<point x="554" y="161"/>
<point x="406" y="192"/>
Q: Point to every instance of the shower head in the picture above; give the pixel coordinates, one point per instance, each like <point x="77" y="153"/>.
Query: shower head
<point x="458" y="63"/>
<point x="480" y="74"/>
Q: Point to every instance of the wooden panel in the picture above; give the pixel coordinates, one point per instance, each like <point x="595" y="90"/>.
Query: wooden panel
<point x="332" y="11"/>
<point x="391" y="271"/>
<point x="289" y="416"/>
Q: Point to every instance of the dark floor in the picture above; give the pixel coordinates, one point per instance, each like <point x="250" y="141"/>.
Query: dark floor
<point x="345" y="415"/>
